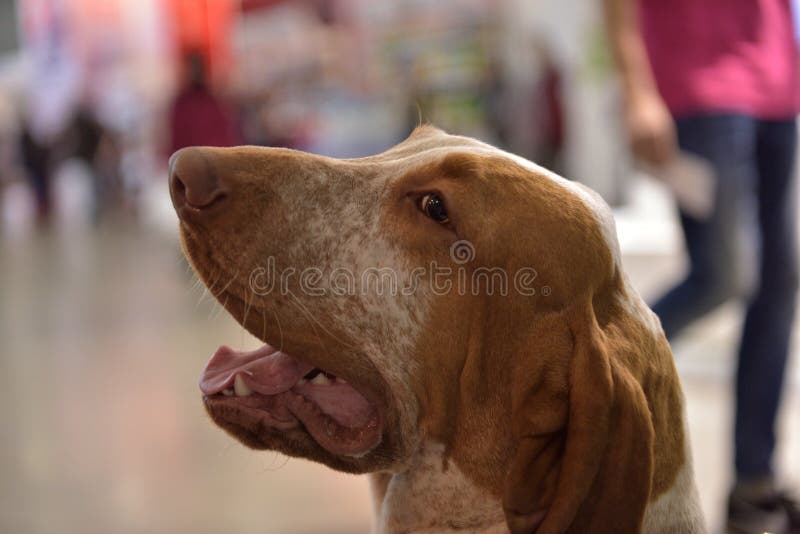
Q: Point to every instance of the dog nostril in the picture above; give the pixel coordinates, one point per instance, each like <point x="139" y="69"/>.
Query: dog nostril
<point x="178" y="187"/>
<point x="193" y="181"/>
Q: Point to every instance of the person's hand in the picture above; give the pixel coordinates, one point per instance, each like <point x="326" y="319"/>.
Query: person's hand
<point x="651" y="129"/>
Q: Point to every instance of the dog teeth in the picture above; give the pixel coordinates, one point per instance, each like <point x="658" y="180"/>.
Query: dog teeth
<point x="227" y="392"/>
<point x="240" y="388"/>
<point x="301" y="382"/>
<point x="341" y="380"/>
<point x="321" y="380"/>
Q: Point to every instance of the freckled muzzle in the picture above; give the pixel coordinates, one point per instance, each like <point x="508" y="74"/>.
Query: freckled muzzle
<point x="311" y="390"/>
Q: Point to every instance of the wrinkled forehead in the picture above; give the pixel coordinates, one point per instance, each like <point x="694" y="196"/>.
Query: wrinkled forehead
<point x="428" y="144"/>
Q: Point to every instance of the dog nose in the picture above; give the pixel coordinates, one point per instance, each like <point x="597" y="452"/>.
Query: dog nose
<point x="193" y="181"/>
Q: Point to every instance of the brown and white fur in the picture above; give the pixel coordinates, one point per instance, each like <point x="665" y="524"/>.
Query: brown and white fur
<point x="552" y="410"/>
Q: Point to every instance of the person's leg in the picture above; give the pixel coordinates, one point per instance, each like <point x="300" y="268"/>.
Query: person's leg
<point x="770" y="314"/>
<point x="719" y="247"/>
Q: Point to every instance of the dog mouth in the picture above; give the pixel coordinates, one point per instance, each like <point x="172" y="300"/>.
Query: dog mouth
<point x="275" y="390"/>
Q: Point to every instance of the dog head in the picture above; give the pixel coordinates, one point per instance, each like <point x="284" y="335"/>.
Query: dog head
<point x="443" y="290"/>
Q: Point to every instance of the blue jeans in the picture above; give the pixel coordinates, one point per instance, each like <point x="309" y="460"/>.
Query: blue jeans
<point x="745" y="249"/>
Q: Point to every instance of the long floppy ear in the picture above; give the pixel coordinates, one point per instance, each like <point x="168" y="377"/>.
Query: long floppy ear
<point x="584" y="458"/>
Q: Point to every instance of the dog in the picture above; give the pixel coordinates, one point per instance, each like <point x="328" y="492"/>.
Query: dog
<point x="448" y="317"/>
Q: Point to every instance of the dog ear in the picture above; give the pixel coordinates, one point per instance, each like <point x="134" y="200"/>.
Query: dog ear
<point x="584" y="459"/>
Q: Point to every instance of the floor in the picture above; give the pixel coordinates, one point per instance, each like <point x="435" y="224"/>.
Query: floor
<point x="104" y="338"/>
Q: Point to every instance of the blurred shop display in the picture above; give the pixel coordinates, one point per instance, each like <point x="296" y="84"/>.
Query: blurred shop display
<point x="202" y="27"/>
<point x="351" y="77"/>
<point x="344" y="78"/>
<point x="445" y="54"/>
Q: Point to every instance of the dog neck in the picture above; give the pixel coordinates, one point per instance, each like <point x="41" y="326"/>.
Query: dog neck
<point x="433" y="495"/>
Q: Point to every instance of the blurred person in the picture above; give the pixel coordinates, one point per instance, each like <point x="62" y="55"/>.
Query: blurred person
<point x="198" y="117"/>
<point x="495" y="100"/>
<point x="549" y="120"/>
<point x="36" y="159"/>
<point x="719" y="79"/>
<point x="91" y="142"/>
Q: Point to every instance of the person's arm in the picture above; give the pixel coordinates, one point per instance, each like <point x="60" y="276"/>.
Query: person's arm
<point x="649" y="123"/>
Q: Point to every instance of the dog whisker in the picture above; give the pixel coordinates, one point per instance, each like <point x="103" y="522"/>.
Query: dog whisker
<point x="216" y="280"/>
<point x="196" y="284"/>
<point x="224" y="289"/>
<point x="263" y="323"/>
<point x="224" y="304"/>
<point x="280" y="329"/>
<point x="213" y="310"/>
<point x="247" y="304"/>
<point x="313" y="320"/>
<point x="310" y="319"/>
<point x="270" y="468"/>
<point x="203" y="297"/>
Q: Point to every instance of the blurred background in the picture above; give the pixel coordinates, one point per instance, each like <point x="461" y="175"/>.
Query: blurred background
<point x="104" y="334"/>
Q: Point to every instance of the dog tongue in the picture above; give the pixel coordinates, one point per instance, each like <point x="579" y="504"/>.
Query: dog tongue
<point x="266" y="370"/>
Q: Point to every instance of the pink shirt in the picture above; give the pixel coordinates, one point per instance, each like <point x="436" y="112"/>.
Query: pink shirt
<point x="723" y="55"/>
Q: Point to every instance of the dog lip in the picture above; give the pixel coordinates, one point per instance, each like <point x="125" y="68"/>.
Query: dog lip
<point x="292" y="411"/>
<point x="216" y="402"/>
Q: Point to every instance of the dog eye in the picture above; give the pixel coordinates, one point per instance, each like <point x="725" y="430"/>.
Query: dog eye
<point x="432" y="205"/>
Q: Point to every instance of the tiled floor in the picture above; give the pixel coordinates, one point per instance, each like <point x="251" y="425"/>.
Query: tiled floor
<point x="102" y="429"/>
